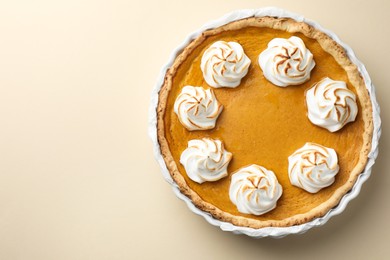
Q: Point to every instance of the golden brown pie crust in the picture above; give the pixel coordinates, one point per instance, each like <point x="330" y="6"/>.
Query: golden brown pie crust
<point x="354" y="77"/>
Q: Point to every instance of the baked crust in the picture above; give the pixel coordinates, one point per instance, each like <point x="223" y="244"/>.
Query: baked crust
<point x="330" y="46"/>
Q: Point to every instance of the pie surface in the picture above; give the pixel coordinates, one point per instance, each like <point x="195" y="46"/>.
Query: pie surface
<point x="264" y="124"/>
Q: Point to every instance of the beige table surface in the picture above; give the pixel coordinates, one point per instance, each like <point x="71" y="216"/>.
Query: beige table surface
<point x="77" y="176"/>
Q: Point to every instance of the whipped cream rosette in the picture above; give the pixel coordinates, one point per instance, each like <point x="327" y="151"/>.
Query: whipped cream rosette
<point x="331" y="104"/>
<point x="197" y="108"/>
<point x="254" y="190"/>
<point x="224" y="64"/>
<point x="313" y="167"/>
<point x="286" y="62"/>
<point x="205" y="160"/>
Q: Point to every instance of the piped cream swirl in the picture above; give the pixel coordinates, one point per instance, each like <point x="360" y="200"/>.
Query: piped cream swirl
<point x="205" y="160"/>
<point x="224" y="64"/>
<point x="331" y="104"/>
<point x="254" y="190"/>
<point x="197" y="108"/>
<point x="313" y="167"/>
<point x="286" y="62"/>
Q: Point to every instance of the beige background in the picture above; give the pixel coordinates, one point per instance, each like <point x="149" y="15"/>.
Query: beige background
<point x="77" y="176"/>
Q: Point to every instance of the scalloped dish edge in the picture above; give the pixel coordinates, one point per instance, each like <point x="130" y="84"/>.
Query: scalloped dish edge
<point x="276" y="232"/>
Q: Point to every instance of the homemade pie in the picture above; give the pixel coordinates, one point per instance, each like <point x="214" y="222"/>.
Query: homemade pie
<point x="283" y="114"/>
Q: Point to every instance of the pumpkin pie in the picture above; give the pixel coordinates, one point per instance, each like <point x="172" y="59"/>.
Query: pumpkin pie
<point x="264" y="122"/>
